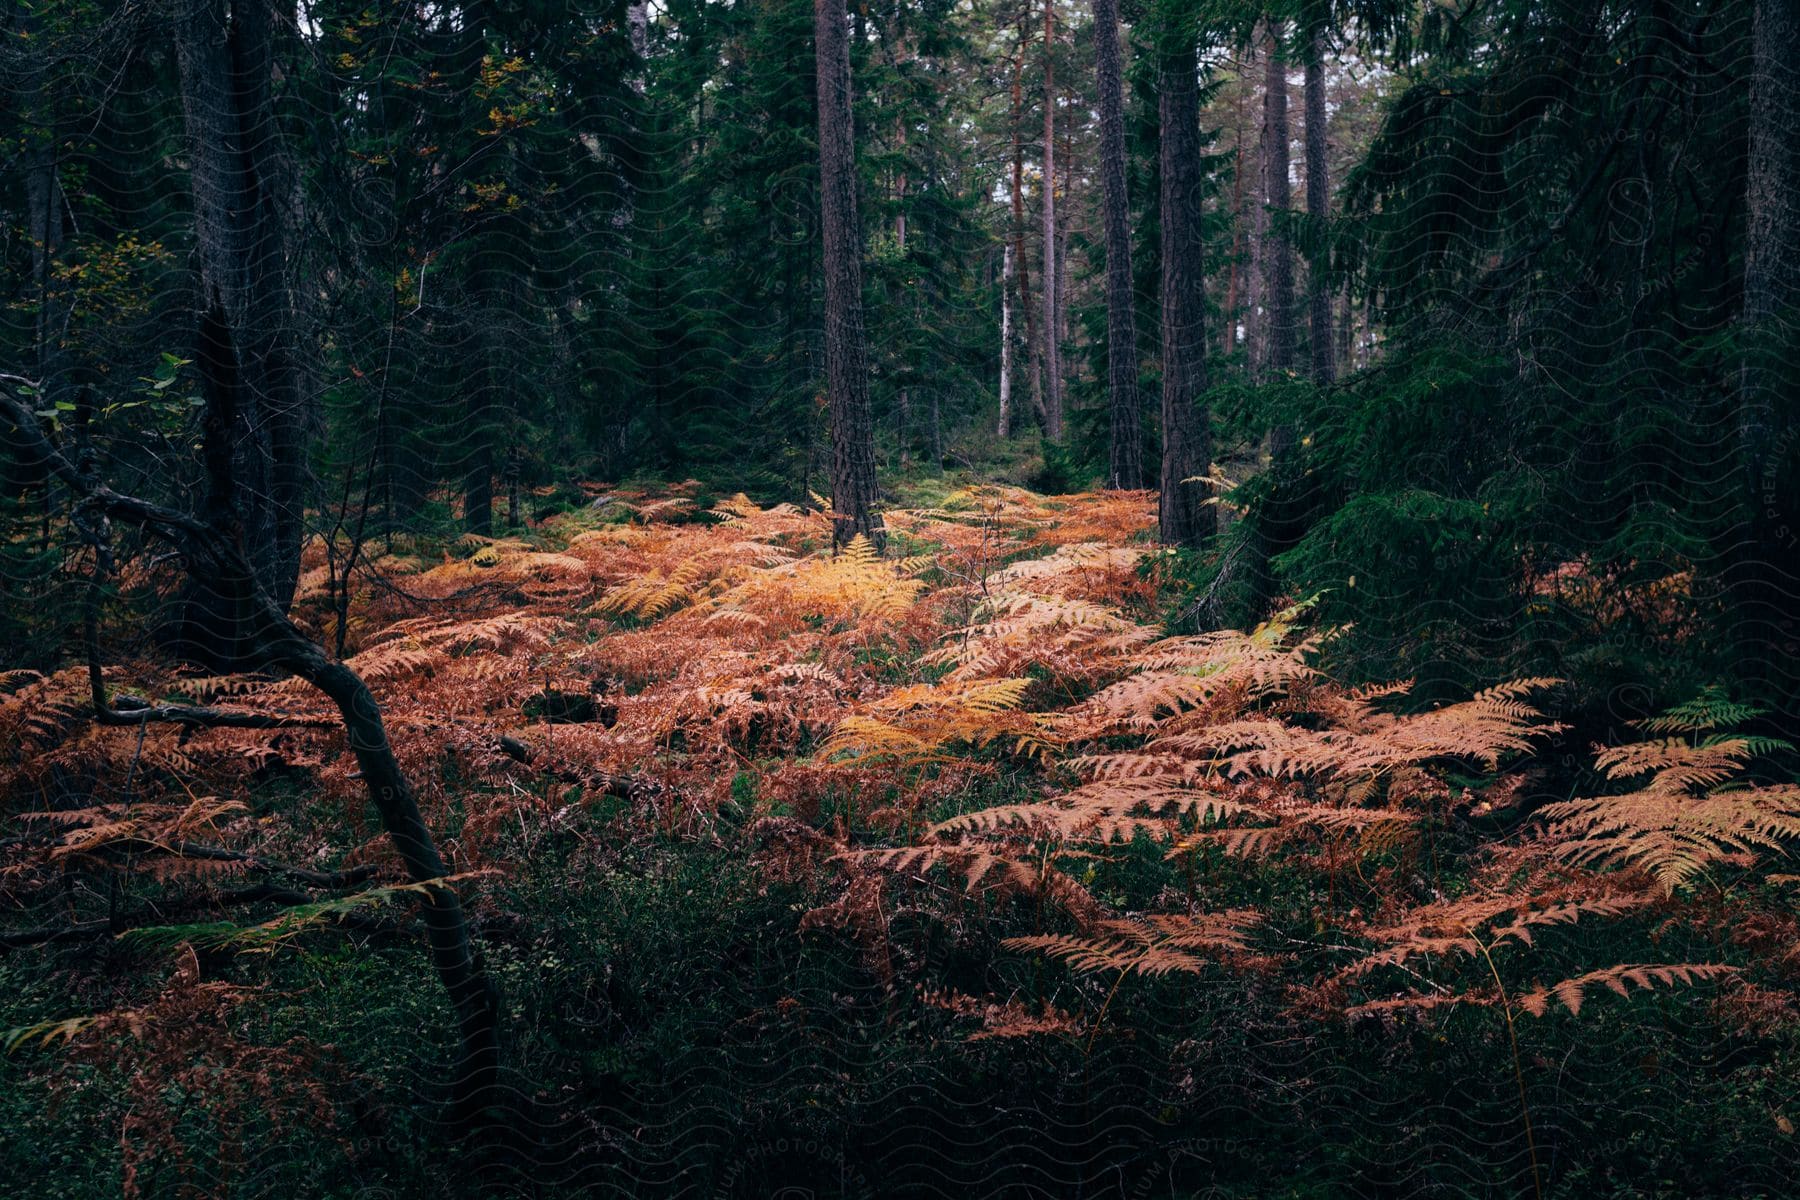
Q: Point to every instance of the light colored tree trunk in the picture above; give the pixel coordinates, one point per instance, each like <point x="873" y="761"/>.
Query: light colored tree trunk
<point x="1053" y="404"/>
<point x="1006" y="341"/>
<point x="1318" y="208"/>
<point x="1033" y="361"/>
<point x="1230" y="323"/>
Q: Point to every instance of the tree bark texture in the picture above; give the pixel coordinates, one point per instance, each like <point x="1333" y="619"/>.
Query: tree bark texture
<point x="846" y="347"/>
<point x="226" y="63"/>
<point x="1185" y="519"/>
<point x="1053" y="402"/>
<point x="1277" y="256"/>
<point x="1318" y="209"/>
<point x="1125" y="399"/>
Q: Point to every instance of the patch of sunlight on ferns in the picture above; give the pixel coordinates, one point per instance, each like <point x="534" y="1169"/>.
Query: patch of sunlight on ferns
<point x="917" y="724"/>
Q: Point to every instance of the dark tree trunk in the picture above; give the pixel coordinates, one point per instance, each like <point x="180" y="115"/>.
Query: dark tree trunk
<point x="1185" y="519"/>
<point x="43" y="217"/>
<point x="478" y="491"/>
<point x="1277" y="252"/>
<point x="1127" y="469"/>
<point x="1318" y="209"/>
<point x="1053" y="402"/>
<point x="1274" y="526"/>
<point x="846" y="349"/>
<point x="1764" y="577"/>
<point x="225" y="52"/>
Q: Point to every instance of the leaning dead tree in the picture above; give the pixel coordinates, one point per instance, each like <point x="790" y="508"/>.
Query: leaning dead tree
<point x="210" y="548"/>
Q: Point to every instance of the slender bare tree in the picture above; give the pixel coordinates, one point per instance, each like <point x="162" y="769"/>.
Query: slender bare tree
<point x="1318" y="209"/>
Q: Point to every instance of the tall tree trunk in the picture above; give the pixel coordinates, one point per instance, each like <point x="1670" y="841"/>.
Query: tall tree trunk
<point x="226" y="64"/>
<point x="1053" y="404"/>
<point x="1126" y="401"/>
<point x="1763" y="574"/>
<point x="846" y="348"/>
<point x="1184" y="517"/>
<point x="1006" y="341"/>
<point x="1230" y="323"/>
<point x="1277" y="251"/>
<point x="1345" y="356"/>
<point x="905" y="394"/>
<point x="1068" y="165"/>
<point x="903" y="426"/>
<point x="1318" y="208"/>
<point x="1033" y="360"/>
<point x="1274" y="527"/>
<point x="1256" y="321"/>
<point x="44" y="203"/>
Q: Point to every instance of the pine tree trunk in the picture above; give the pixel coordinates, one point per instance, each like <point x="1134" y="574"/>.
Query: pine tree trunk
<point x="1257" y="232"/>
<point x="846" y="347"/>
<point x="1125" y="400"/>
<point x="1033" y="360"/>
<point x="1229" y="340"/>
<point x="1772" y="241"/>
<point x="1318" y="208"/>
<point x="478" y="489"/>
<point x="225" y="58"/>
<point x="1006" y="341"/>
<point x="1273" y="526"/>
<point x="44" y="205"/>
<point x="1053" y="405"/>
<point x="903" y="421"/>
<point x="1345" y="355"/>
<point x="1763" y="575"/>
<point x="1277" y="252"/>
<point x="1185" y="519"/>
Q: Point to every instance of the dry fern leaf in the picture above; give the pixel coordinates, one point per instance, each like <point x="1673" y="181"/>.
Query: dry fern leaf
<point x="1157" y="945"/>
<point x="1455" y="928"/>
<point x="1108" y="809"/>
<point x="1571" y="993"/>
<point x="1673" y="834"/>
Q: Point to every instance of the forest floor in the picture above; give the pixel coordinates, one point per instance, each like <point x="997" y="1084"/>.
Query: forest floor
<point x="864" y="874"/>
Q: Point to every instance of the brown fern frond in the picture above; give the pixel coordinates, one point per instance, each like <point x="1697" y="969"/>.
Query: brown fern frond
<point x="1159" y="945"/>
<point x="1571" y="993"/>
<point x="1671" y="832"/>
